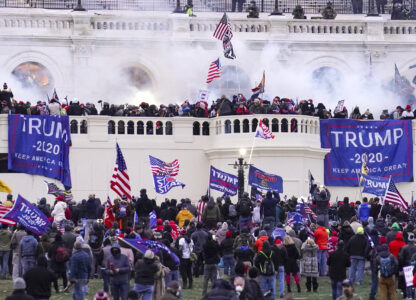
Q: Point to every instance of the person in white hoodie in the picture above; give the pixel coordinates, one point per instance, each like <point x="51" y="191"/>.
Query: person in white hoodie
<point x="58" y="212"/>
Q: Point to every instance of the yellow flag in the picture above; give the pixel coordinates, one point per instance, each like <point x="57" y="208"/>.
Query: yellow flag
<point x="5" y="188"/>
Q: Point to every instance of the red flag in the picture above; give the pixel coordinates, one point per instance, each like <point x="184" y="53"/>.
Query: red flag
<point x="108" y="214"/>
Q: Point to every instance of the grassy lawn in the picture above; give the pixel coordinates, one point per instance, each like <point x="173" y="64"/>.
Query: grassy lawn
<point x="324" y="290"/>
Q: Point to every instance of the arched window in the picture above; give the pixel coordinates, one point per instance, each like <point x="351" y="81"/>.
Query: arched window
<point x="159" y="128"/>
<point x="168" y="129"/>
<point x="34" y="75"/>
<point x="246" y="125"/>
<point x="140" y="127"/>
<point x="74" y="126"/>
<point x="196" y="128"/>
<point x="205" y="128"/>
<point x="149" y="128"/>
<point x="111" y="127"/>
<point x="254" y="124"/>
<point x="275" y="125"/>
<point x="130" y="127"/>
<point x="284" y="125"/>
<point x="293" y="125"/>
<point x="84" y="127"/>
<point x="236" y="126"/>
<point x="120" y="127"/>
<point x="227" y="125"/>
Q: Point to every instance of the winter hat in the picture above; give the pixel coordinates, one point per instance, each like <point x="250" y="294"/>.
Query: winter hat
<point x="19" y="284"/>
<point x="370" y="220"/>
<point x="278" y="242"/>
<point x="253" y="273"/>
<point x="263" y="233"/>
<point x="149" y="254"/>
<point x="77" y="246"/>
<point x="224" y="226"/>
<point x="228" y="234"/>
<point x="159" y="222"/>
<point x="9" y="197"/>
<point x="383" y="240"/>
<point x="101" y="295"/>
<point x="60" y="198"/>
<point x="334" y="233"/>
<point x="395" y="226"/>
<point x="360" y="230"/>
<point x="321" y="223"/>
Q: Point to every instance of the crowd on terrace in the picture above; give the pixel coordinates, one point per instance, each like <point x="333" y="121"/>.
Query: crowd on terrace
<point x="238" y="105"/>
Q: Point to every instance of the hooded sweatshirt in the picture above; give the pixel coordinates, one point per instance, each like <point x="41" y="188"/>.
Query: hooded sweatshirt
<point x="397" y="244"/>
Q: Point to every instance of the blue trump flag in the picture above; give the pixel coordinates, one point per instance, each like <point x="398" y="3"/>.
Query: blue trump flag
<point x="223" y="182"/>
<point x="154" y="246"/>
<point x="164" y="184"/>
<point x="39" y="145"/>
<point x="29" y="216"/>
<point x="384" y="146"/>
<point x="375" y="185"/>
<point x="152" y="219"/>
<point x="264" y="181"/>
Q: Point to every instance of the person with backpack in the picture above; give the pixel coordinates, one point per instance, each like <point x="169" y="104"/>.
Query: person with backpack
<point x="244" y="209"/>
<point x="387" y="265"/>
<point x="95" y="241"/>
<point x="227" y="253"/>
<point x="59" y="255"/>
<point x="244" y="254"/>
<point x="199" y="238"/>
<point x="309" y="262"/>
<point x="28" y="251"/>
<point x="265" y="262"/>
<point x="244" y="238"/>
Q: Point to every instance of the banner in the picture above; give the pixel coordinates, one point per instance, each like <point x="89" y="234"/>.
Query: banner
<point x="29" y="216"/>
<point x="223" y="182"/>
<point x="39" y="145"/>
<point x="164" y="184"/>
<point x="408" y="275"/>
<point x="375" y="185"/>
<point x="385" y="146"/>
<point x="264" y="181"/>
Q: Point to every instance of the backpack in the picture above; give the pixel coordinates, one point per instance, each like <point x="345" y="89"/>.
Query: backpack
<point x="232" y="211"/>
<point x="62" y="254"/>
<point x="245" y="208"/>
<point x="413" y="259"/>
<point x="94" y="241"/>
<point x="268" y="267"/>
<point x="386" y="266"/>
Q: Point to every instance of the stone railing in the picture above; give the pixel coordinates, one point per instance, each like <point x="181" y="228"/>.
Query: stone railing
<point x="285" y="124"/>
<point x="153" y="25"/>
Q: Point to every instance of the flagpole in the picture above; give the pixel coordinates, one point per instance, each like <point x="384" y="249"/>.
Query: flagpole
<point x="252" y="147"/>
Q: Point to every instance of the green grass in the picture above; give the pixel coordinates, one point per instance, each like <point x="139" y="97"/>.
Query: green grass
<point x="324" y="290"/>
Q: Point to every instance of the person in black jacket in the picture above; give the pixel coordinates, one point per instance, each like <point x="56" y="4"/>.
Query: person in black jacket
<point x="58" y="266"/>
<point x="221" y="290"/>
<point x="227" y="253"/>
<point x="145" y="270"/>
<point x="338" y="262"/>
<point x="346" y="211"/>
<point x="322" y="198"/>
<point x="19" y="290"/>
<point x="358" y="248"/>
<point x="39" y="280"/>
<point x="346" y="232"/>
<point x="280" y="256"/>
<point x="268" y="211"/>
<point x="144" y="207"/>
<point x="210" y="253"/>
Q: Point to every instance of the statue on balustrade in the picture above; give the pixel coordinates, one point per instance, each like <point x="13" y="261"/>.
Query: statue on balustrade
<point x="253" y="10"/>
<point x="239" y="7"/>
<point x="329" y="12"/>
<point x="380" y="6"/>
<point x="298" y="12"/>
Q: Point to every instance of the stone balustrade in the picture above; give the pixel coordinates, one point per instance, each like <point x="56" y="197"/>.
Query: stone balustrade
<point x="267" y="27"/>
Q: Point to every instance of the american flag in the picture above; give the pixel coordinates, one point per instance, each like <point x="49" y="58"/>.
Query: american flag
<point x="159" y="167"/>
<point x="3" y="211"/>
<point x="223" y="28"/>
<point x="120" y="182"/>
<point x="214" y="71"/>
<point x="309" y="211"/>
<point x="108" y="214"/>
<point x="393" y="196"/>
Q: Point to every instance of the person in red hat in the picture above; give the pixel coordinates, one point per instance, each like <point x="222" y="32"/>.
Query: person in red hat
<point x="58" y="212"/>
<point x="407" y="114"/>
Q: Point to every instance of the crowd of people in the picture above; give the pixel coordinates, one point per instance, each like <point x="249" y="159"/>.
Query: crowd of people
<point x="255" y="243"/>
<point x="223" y="106"/>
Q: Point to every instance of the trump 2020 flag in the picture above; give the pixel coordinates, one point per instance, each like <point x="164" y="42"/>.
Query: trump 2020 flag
<point x="374" y="185"/>
<point x="223" y="182"/>
<point x="263" y="131"/>
<point x="39" y="145"/>
<point x="29" y="216"/>
<point x="163" y="175"/>
<point x="152" y="219"/>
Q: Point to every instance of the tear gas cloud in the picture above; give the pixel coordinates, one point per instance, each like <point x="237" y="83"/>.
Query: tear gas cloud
<point x="179" y="72"/>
